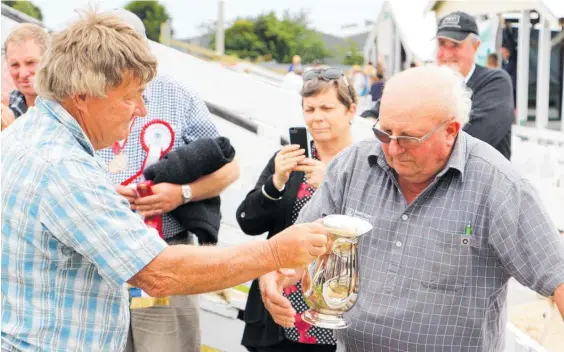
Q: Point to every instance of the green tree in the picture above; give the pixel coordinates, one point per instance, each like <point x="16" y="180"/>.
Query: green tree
<point x="311" y="47"/>
<point x="351" y="54"/>
<point x="26" y="7"/>
<point x="278" y="36"/>
<point x="269" y="37"/>
<point x="152" y="14"/>
<point x="242" y="41"/>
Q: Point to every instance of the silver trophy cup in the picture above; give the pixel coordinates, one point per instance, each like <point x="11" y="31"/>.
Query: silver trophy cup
<point x="331" y="284"/>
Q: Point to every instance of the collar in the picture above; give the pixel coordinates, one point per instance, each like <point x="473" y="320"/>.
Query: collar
<point x="456" y="161"/>
<point x="469" y="75"/>
<point x="55" y="110"/>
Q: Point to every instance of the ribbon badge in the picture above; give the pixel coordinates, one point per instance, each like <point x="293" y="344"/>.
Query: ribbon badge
<point x="157" y="139"/>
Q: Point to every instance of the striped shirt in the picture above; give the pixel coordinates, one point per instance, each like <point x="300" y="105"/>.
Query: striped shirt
<point x="69" y="241"/>
<point x="169" y="100"/>
<point x="434" y="273"/>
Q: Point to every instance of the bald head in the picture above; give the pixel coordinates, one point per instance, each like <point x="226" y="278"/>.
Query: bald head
<point x="437" y="91"/>
<point x="430" y="104"/>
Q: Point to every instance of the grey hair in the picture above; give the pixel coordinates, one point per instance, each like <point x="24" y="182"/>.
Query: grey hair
<point x="457" y="97"/>
<point x="91" y="56"/>
<point x="29" y="31"/>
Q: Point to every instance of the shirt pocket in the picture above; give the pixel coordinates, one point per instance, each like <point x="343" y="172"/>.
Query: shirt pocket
<point x="447" y="258"/>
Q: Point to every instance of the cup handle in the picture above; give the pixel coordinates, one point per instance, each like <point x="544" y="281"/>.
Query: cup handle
<point x="307" y="281"/>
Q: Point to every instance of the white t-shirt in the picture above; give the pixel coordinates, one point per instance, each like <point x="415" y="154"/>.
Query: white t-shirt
<point x="293" y="82"/>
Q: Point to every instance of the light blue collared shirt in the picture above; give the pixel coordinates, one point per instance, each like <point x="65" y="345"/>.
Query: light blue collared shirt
<point x="69" y="241"/>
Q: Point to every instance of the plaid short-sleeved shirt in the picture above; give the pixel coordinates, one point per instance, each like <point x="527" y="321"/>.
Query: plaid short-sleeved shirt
<point x="426" y="283"/>
<point x="169" y="100"/>
<point x="69" y="241"/>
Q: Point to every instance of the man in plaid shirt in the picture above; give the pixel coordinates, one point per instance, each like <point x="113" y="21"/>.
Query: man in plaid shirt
<point x="70" y="242"/>
<point x="172" y="327"/>
<point x="452" y="222"/>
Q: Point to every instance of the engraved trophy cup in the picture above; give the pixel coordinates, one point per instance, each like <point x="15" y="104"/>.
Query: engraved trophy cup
<point x="331" y="283"/>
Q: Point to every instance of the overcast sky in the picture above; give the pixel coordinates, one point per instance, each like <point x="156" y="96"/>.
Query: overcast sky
<point x="325" y="15"/>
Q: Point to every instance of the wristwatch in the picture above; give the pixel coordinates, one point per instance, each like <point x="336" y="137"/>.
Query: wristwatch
<point x="186" y="193"/>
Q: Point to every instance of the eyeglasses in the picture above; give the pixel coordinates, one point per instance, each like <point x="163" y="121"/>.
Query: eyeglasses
<point x="405" y="142"/>
<point x="327" y="74"/>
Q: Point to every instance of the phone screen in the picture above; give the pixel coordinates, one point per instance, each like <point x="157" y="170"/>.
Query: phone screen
<point x="298" y="135"/>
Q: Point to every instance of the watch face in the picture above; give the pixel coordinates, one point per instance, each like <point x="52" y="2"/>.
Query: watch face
<point x="186" y="192"/>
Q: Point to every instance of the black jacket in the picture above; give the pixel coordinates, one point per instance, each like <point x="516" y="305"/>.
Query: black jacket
<point x="186" y="164"/>
<point x="492" y="108"/>
<point x="257" y="215"/>
<point x="510" y="42"/>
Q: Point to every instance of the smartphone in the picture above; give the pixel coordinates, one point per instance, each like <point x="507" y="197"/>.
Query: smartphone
<point x="298" y="135"/>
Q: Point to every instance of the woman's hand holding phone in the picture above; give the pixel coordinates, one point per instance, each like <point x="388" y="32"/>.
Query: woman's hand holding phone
<point x="314" y="171"/>
<point x="285" y="162"/>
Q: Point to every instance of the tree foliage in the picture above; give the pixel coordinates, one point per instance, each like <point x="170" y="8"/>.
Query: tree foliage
<point x="26" y="7"/>
<point x="351" y="54"/>
<point x="152" y="14"/>
<point x="242" y="41"/>
<point x="266" y="36"/>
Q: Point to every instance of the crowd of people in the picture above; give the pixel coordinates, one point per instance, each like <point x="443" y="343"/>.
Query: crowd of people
<point x="368" y="80"/>
<point x="111" y="171"/>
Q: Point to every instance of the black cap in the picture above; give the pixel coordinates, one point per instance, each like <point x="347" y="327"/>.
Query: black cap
<point x="457" y="26"/>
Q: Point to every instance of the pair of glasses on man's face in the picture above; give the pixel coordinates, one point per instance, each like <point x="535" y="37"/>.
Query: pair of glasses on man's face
<point x="327" y="74"/>
<point x="405" y="142"/>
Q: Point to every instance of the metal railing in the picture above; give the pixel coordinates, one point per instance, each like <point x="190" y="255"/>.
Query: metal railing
<point x="237" y="120"/>
<point x="19" y="16"/>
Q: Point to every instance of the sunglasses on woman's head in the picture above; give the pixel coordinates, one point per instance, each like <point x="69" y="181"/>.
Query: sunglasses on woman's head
<point x="327" y="74"/>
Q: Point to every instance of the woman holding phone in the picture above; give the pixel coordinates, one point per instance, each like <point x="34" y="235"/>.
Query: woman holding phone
<point x="286" y="184"/>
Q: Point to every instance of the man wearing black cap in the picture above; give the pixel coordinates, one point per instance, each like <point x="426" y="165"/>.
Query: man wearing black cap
<point x="492" y="99"/>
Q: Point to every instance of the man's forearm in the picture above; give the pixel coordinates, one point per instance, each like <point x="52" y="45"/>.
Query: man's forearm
<point x="212" y="185"/>
<point x="186" y="270"/>
<point x="559" y="299"/>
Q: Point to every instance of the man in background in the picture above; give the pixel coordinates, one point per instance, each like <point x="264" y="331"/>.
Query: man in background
<point x="24" y="48"/>
<point x="492" y="111"/>
<point x="492" y="99"/>
<point x="174" y="327"/>
<point x="296" y="61"/>
<point x="293" y="80"/>
<point x="376" y="87"/>
<point x="493" y="61"/>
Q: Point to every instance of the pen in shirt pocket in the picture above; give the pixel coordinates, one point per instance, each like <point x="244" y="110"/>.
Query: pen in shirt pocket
<point x="467" y="235"/>
<point x="468" y="229"/>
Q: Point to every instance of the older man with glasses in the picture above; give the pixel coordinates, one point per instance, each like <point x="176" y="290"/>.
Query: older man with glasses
<point x="453" y="221"/>
<point x="69" y="241"/>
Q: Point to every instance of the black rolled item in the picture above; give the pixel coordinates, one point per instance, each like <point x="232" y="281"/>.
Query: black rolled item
<point x="186" y="164"/>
